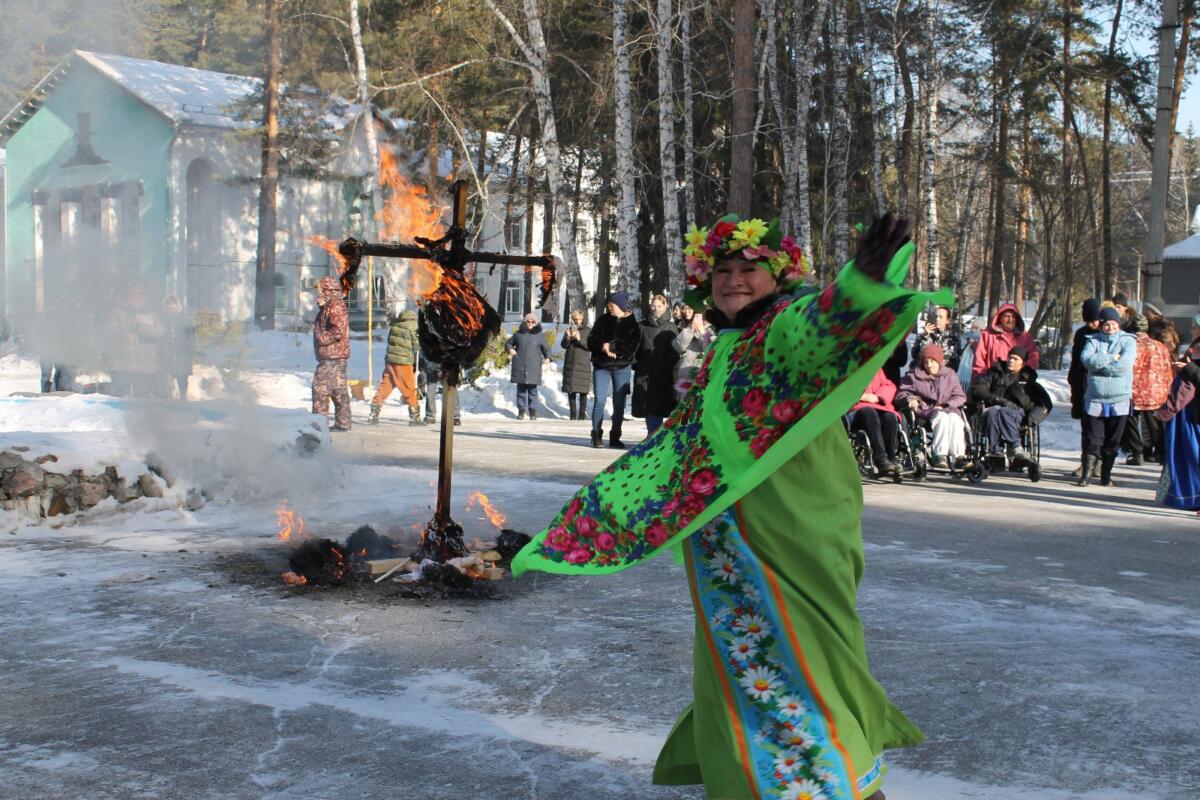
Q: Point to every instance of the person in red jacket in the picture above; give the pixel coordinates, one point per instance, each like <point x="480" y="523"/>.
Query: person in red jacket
<point x="874" y="414"/>
<point x="331" y="341"/>
<point x="1006" y="332"/>
<point x="1152" y="378"/>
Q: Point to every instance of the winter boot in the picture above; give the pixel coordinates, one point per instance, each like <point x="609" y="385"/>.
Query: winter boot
<point x="1089" y="465"/>
<point x="373" y="418"/>
<point x="532" y="415"/>
<point x="597" y="437"/>
<point x="614" y="441"/>
<point x="521" y="414"/>
<point x="1135" y="460"/>
<point x="414" y="416"/>
<point x="1106" y="466"/>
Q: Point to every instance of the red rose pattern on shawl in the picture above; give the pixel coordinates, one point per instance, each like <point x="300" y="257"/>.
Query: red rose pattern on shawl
<point x="767" y="392"/>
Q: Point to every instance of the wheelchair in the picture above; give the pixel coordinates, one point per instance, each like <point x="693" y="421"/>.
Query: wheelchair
<point x="920" y="445"/>
<point x="1031" y="442"/>
<point x="910" y="467"/>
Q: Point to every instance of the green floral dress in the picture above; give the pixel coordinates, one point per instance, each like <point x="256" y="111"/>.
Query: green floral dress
<point x="757" y="485"/>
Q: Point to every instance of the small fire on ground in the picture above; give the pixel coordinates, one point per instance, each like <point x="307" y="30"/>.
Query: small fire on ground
<point x="370" y="556"/>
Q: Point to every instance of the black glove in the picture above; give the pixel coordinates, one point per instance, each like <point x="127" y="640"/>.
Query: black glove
<point x="879" y="244"/>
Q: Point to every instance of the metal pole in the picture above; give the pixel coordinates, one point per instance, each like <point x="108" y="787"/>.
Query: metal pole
<point x="1159" y="180"/>
<point x="370" y="326"/>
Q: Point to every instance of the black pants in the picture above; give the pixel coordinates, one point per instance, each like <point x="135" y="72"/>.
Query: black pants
<point x="881" y="429"/>
<point x="578" y="404"/>
<point x="1003" y="427"/>
<point x="1143" y="434"/>
<point x="1104" y="434"/>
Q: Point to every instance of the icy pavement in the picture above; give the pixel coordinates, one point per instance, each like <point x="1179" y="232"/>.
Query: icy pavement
<point x="1044" y="637"/>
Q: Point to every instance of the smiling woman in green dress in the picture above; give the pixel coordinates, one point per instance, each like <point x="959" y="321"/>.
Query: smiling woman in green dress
<point x="758" y="486"/>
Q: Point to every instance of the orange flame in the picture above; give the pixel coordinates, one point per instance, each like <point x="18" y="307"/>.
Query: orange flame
<point x="293" y="579"/>
<point x="330" y="246"/>
<point x="290" y="522"/>
<point x="408" y="213"/>
<point x="480" y="499"/>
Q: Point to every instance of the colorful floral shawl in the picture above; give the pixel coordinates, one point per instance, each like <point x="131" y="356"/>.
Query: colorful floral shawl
<point x="762" y="394"/>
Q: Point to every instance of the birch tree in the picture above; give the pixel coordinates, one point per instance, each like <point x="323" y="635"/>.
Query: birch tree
<point x="368" y="122"/>
<point x="803" y="48"/>
<point x="537" y="59"/>
<point x="627" y="248"/>
<point x="929" y="87"/>
<point x="689" y="126"/>
<point x="666" y="152"/>
<point x="839" y="151"/>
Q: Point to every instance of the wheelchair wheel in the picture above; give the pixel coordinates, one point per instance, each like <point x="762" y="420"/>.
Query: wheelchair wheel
<point x="920" y="471"/>
<point x="1035" y="471"/>
<point x="976" y="473"/>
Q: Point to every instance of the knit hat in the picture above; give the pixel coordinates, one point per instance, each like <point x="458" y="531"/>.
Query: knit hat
<point x="1109" y="314"/>
<point x="1091" y="310"/>
<point x="1119" y="299"/>
<point x="1149" y="308"/>
<point x="1020" y="351"/>
<point x="933" y="351"/>
<point x="620" y="300"/>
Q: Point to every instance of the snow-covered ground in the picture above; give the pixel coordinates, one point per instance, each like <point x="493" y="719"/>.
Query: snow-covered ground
<point x="1044" y="637"/>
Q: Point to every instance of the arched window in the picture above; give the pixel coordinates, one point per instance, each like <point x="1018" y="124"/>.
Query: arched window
<point x="203" y="230"/>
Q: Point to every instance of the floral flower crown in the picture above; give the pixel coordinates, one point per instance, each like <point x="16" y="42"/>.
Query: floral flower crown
<point x="734" y="237"/>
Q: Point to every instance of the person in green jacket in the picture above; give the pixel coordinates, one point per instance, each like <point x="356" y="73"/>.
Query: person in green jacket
<point x="399" y="369"/>
<point x="753" y="480"/>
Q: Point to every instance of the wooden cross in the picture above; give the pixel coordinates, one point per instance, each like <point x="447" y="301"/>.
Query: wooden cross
<point x="444" y="537"/>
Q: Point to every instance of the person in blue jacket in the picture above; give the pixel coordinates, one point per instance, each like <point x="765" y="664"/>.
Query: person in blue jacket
<point x="1108" y="355"/>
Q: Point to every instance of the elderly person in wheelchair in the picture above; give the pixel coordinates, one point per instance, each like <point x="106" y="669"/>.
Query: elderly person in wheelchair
<point x="1010" y="397"/>
<point x="933" y="393"/>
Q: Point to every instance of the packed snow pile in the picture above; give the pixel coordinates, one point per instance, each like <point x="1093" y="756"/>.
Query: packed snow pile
<point x="62" y="453"/>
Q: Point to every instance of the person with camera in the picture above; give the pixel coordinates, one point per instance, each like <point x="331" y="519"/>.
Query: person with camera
<point x="577" y="365"/>
<point x="940" y="332"/>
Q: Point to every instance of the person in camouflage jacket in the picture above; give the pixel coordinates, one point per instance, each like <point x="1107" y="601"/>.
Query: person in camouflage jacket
<point x="331" y="342"/>
<point x="399" y="370"/>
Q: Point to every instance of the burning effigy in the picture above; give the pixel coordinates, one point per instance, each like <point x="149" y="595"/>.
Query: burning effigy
<point x="454" y="325"/>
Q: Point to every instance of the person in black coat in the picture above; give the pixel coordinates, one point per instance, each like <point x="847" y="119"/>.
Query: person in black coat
<point x="529" y="351"/>
<point x="613" y="342"/>
<point x="1077" y="373"/>
<point x="1010" y="394"/>
<point x="577" y="365"/>
<point x="654" y="370"/>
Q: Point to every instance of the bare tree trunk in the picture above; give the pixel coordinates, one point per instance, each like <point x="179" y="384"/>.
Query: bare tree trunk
<point x="537" y="57"/>
<point x="1000" y="184"/>
<point x="786" y="139"/>
<point x="741" y="155"/>
<point x="904" y="158"/>
<point x="264" y="268"/>
<point x="966" y="223"/>
<point x="1024" y="194"/>
<point x="802" y="73"/>
<point x="689" y="126"/>
<point x="1106" y="222"/>
<point x="839" y="152"/>
<point x="1188" y="17"/>
<point x="630" y="279"/>
<point x="432" y="157"/>
<point x="604" y="268"/>
<point x="368" y="122"/>
<point x="875" y="103"/>
<point x="666" y="152"/>
<point x="1068" y="258"/>
<point x="930" y="82"/>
